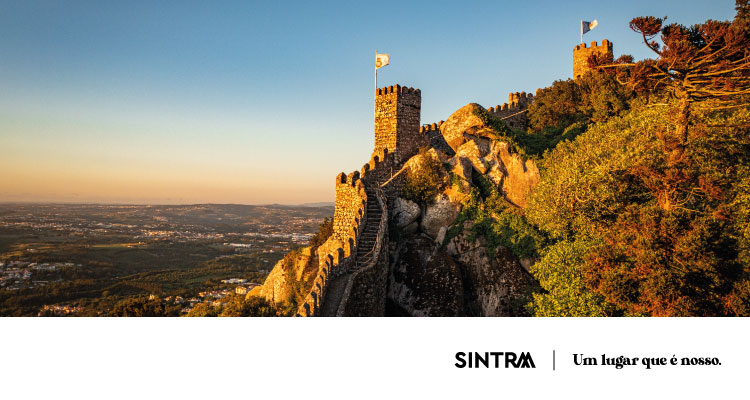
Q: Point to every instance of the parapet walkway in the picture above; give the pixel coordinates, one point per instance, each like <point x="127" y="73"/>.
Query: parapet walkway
<point x="365" y="254"/>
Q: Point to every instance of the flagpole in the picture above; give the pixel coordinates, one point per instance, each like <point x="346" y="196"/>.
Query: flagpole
<point x="376" y="70"/>
<point x="376" y="83"/>
<point x="581" y="31"/>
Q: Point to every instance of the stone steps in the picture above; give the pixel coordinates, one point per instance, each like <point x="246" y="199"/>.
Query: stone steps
<point x="367" y="239"/>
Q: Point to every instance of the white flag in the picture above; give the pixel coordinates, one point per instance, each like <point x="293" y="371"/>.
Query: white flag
<point x="381" y="60"/>
<point x="587" y="26"/>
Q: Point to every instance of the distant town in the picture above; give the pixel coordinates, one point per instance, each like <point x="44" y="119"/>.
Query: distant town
<point x="70" y="259"/>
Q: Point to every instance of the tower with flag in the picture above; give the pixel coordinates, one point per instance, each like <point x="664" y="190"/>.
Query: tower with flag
<point x="381" y="60"/>
<point x="587" y="26"/>
<point x="582" y="53"/>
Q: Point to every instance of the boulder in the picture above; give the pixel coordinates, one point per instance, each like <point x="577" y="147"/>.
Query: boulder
<point x="464" y="125"/>
<point x="405" y="212"/>
<point x="442" y="213"/>
<point x="424" y="281"/>
<point x="462" y="167"/>
<point x="411" y="228"/>
<point x="471" y="153"/>
<point x="516" y="177"/>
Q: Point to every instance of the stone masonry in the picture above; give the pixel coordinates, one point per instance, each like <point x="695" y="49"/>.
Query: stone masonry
<point x="581" y="54"/>
<point x="397" y="113"/>
<point x="514" y="111"/>
<point x="356" y="282"/>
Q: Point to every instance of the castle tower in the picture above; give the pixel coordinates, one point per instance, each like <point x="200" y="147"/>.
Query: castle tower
<point x="397" y="116"/>
<point x="581" y="54"/>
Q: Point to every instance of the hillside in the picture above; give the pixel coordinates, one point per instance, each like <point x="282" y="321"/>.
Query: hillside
<point x="622" y="192"/>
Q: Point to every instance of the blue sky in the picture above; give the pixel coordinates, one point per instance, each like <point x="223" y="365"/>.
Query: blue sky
<point x="259" y="102"/>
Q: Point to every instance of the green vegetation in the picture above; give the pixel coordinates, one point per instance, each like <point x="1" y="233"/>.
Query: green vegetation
<point x="496" y="220"/>
<point x="529" y="144"/>
<point x="647" y="207"/>
<point x="595" y="97"/>
<point x="142" y="306"/>
<point x="560" y="271"/>
<point x="117" y="287"/>
<point x="241" y="306"/>
<point x="423" y="182"/>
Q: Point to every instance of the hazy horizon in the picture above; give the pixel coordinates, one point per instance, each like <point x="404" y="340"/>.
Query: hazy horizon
<point x="190" y="103"/>
<point x="313" y="204"/>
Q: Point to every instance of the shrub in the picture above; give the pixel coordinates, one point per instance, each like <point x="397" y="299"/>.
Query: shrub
<point x="559" y="272"/>
<point x="423" y="182"/>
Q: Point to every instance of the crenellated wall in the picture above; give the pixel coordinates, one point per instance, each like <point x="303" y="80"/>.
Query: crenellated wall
<point x="360" y="284"/>
<point x="365" y="292"/>
<point x="336" y="256"/>
<point x="581" y="54"/>
<point x="436" y="139"/>
<point x="398" y="136"/>
<point x="397" y="113"/>
<point x="350" y="209"/>
<point x="513" y="112"/>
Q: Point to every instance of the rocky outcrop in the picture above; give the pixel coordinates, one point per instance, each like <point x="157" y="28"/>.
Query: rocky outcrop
<point x="475" y="146"/>
<point x="440" y="214"/>
<point x="297" y="266"/>
<point x="491" y="282"/>
<point x="509" y="171"/>
<point x="463" y="125"/>
<point x="424" y="280"/>
<point x="405" y="212"/>
<point x="516" y="177"/>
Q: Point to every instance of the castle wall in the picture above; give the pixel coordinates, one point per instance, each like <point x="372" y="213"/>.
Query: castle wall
<point x="350" y="208"/>
<point x="337" y="255"/>
<point x="512" y="112"/>
<point x="435" y="137"/>
<point x="398" y="137"/>
<point x="581" y="54"/>
<point x="365" y="294"/>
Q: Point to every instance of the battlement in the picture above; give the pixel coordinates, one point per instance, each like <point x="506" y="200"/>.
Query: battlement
<point x="581" y="54"/>
<point x="379" y="167"/>
<point x="397" y="113"/>
<point x="353" y="179"/>
<point x="512" y="112"/>
<point x="606" y="45"/>
<point x="516" y="102"/>
<point x="397" y="89"/>
<point x="426" y="128"/>
<point x="337" y="255"/>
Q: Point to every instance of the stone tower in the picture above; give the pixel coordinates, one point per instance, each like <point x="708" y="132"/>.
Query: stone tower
<point x="581" y="54"/>
<point x="397" y="116"/>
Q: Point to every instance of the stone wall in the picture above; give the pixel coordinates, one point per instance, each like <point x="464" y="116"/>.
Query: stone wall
<point x="365" y="295"/>
<point x="514" y="111"/>
<point x="379" y="168"/>
<point x="331" y="258"/>
<point x="436" y="139"/>
<point x="397" y="113"/>
<point x="350" y="208"/>
<point x="337" y="254"/>
<point x="581" y="54"/>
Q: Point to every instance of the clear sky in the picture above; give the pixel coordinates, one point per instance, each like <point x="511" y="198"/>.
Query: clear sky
<point x="260" y="102"/>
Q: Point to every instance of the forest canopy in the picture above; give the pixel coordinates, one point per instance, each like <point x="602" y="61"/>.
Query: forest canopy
<point x="648" y="204"/>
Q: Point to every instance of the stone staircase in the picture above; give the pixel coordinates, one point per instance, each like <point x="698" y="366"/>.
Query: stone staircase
<point x="368" y="237"/>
